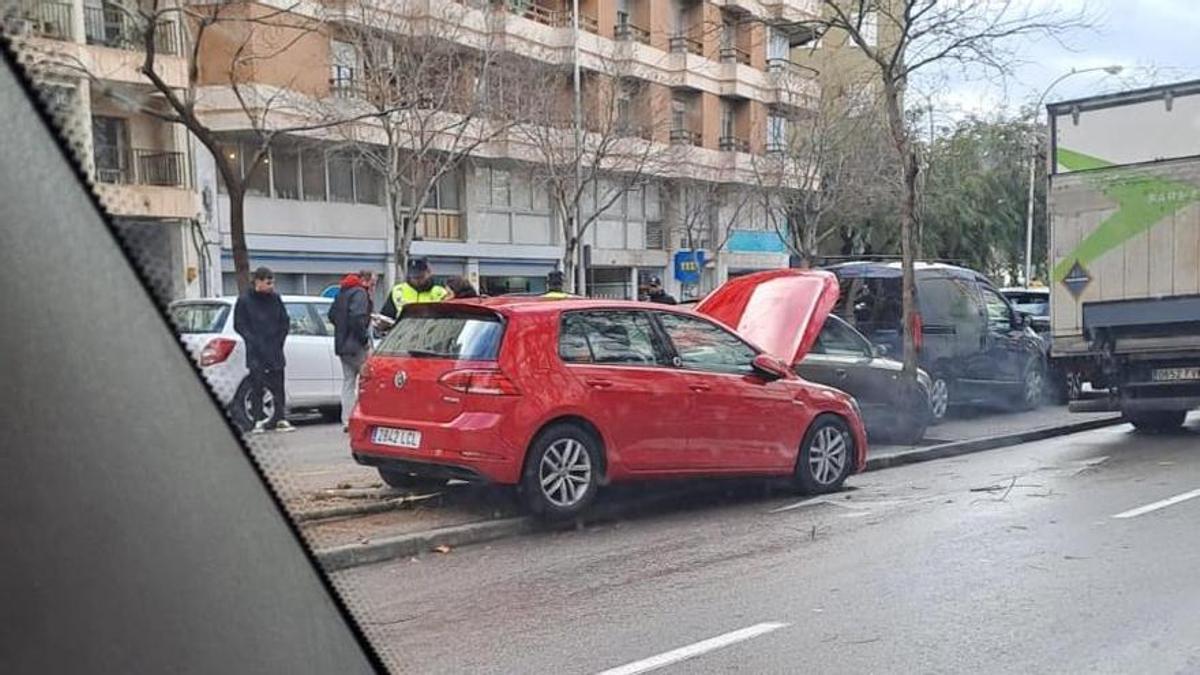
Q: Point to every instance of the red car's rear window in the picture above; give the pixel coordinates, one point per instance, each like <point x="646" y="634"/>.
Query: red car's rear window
<point x="444" y="331"/>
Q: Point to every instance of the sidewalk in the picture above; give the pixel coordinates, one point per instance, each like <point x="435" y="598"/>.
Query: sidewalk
<point x="315" y="475"/>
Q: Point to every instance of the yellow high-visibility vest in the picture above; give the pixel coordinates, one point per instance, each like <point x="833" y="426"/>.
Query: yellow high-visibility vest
<point x="558" y="295"/>
<point x="403" y="294"/>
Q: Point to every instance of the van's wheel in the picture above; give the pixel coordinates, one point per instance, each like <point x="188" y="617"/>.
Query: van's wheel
<point x="1033" y="386"/>
<point x="939" y="399"/>
<point x="403" y="480"/>
<point x="1156" y="421"/>
<point x="826" y="456"/>
<point x="562" y="472"/>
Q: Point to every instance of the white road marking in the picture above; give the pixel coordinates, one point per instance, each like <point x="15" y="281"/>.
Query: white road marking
<point x="694" y="650"/>
<point x="1161" y="504"/>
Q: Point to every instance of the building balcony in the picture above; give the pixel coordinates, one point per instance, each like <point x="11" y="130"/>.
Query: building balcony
<point x="629" y="31"/>
<point x="686" y="137"/>
<point x="114" y="27"/>
<point x="53" y="20"/>
<point x="734" y="144"/>
<point x="735" y="55"/>
<point x="684" y="44"/>
<point x="142" y="166"/>
<point x="556" y="18"/>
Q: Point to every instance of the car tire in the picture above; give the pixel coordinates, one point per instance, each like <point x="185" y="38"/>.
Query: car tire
<point x="1156" y="421"/>
<point x="939" y="399"/>
<point x="562" y="472"/>
<point x="402" y="480"/>
<point x="1033" y="386"/>
<point x="826" y="456"/>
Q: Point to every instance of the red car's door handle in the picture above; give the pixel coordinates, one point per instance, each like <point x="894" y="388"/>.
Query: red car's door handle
<point x="598" y="383"/>
<point x="700" y="387"/>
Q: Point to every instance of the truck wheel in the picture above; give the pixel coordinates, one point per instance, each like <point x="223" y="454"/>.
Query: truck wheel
<point x="1156" y="421"/>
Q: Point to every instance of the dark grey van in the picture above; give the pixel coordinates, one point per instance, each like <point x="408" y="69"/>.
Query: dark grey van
<point x="975" y="347"/>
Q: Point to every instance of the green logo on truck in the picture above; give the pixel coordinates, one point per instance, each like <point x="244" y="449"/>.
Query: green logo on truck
<point x="1143" y="201"/>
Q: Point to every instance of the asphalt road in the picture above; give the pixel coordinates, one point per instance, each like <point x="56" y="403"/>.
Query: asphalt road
<point x="1005" y="561"/>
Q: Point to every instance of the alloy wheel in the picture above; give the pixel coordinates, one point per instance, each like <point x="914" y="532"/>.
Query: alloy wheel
<point x="565" y="472"/>
<point x="268" y="406"/>
<point x="939" y="398"/>
<point x="828" y="455"/>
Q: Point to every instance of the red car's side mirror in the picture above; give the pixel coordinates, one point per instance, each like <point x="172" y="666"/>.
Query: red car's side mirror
<point x="770" y="367"/>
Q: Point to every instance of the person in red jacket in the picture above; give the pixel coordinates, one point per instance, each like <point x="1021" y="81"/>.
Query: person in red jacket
<point x="350" y="314"/>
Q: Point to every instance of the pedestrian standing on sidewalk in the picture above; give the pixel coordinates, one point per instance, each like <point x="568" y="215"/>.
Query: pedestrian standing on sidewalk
<point x="262" y="321"/>
<point x="350" y="314"/>
<point x="656" y="293"/>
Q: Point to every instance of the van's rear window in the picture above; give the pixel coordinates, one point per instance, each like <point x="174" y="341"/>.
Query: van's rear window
<point x="444" y="333"/>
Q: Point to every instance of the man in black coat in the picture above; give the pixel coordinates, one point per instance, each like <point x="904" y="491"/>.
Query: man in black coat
<point x="262" y="321"/>
<point x="350" y="314"/>
<point x="656" y="293"/>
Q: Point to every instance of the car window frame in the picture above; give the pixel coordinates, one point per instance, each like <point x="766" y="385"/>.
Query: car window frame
<point x="984" y="290"/>
<point x="313" y="316"/>
<point x="868" y="349"/>
<point x="661" y="349"/>
<point x="677" y="361"/>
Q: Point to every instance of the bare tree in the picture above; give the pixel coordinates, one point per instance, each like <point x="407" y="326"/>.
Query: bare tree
<point x="827" y="170"/>
<point x="617" y="148"/>
<point x="224" y="47"/>
<point x="709" y="212"/>
<point x="904" y="37"/>
<point x="433" y="87"/>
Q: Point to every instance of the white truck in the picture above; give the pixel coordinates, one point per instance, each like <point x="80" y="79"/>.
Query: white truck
<point x="1124" y="208"/>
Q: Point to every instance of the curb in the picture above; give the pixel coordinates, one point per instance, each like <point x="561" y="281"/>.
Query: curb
<point x="408" y="545"/>
<point x="352" y="510"/>
<point x="957" y="448"/>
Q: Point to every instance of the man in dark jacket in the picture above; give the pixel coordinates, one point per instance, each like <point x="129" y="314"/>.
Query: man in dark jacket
<point x="350" y="314"/>
<point x="656" y="293"/>
<point x="262" y="321"/>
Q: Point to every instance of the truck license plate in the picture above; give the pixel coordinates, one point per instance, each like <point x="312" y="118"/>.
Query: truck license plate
<point x="401" y="438"/>
<point x="1176" y="374"/>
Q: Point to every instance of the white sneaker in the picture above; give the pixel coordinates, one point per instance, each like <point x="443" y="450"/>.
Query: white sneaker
<point x="260" y="427"/>
<point x="284" y="425"/>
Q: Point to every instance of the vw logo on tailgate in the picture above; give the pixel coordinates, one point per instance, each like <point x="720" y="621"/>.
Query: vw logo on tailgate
<point x="400" y="380"/>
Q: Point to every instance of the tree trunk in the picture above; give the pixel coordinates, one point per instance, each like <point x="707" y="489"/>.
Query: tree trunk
<point x="237" y="234"/>
<point x="893" y="90"/>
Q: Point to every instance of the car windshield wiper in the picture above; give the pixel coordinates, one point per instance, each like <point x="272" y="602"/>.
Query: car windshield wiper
<point x="426" y="354"/>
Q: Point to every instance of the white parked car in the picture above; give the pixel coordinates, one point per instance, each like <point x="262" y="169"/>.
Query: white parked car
<point x="313" y="379"/>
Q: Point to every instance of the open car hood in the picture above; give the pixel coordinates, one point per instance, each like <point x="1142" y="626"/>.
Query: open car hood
<point x="781" y="311"/>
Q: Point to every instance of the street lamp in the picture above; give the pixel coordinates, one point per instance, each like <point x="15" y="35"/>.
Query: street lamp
<point x="1037" y="109"/>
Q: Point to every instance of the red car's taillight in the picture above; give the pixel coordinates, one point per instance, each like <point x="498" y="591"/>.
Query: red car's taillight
<point x="364" y="376"/>
<point x="216" y="351"/>
<point x="486" y="382"/>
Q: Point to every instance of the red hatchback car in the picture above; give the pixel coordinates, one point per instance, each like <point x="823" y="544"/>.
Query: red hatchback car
<point x="560" y="397"/>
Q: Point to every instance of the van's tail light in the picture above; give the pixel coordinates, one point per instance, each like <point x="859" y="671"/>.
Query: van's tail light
<point x="918" y="331"/>
<point x="216" y="351"/>
<point x="489" y="382"/>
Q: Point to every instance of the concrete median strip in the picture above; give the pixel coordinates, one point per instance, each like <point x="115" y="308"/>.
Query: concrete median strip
<point x="408" y="545"/>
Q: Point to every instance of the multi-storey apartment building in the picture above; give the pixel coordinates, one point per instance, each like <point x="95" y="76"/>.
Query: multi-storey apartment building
<point x="714" y="83"/>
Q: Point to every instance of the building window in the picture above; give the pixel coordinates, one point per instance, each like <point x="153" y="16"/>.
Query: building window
<point x="499" y="190"/>
<point x="110" y="142"/>
<point x="258" y="181"/>
<point x="344" y="64"/>
<point x="776" y="132"/>
<point x="368" y="183"/>
<point x="285" y="172"/>
<point x="341" y="177"/>
<point x="313" y="174"/>
<point x="778" y="46"/>
<point x="446" y="193"/>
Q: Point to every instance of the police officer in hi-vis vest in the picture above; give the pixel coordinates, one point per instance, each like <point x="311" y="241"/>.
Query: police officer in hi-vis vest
<point x="554" y="286"/>
<point x="418" y="286"/>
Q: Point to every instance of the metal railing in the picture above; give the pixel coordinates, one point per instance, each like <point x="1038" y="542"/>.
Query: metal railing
<point x="627" y="30"/>
<point x="114" y="27"/>
<point x="734" y="144"/>
<point x="41" y="18"/>
<point x="686" y="137"/>
<point x="141" y="166"/>
<point x="735" y="55"/>
<point x="345" y="87"/>
<point x="684" y="43"/>
<point x="556" y="18"/>
<point x="776" y="147"/>
<point x="779" y="65"/>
